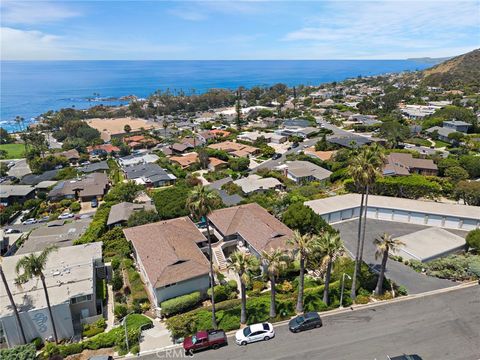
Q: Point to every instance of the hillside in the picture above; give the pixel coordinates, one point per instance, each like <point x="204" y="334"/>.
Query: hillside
<point x="463" y="70"/>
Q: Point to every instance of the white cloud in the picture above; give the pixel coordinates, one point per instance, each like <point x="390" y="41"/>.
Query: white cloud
<point x="34" y="12"/>
<point x="392" y="27"/>
<point x="30" y="45"/>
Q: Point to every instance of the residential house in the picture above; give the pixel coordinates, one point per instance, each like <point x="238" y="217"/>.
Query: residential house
<point x="321" y="155"/>
<point x="406" y="164"/>
<point x="149" y="174"/>
<point x="101" y="166"/>
<point x="350" y="141"/>
<point x="32" y="179"/>
<point x="135" y="159"/>
<point x="255" y="183"/>
<point x="457" y="125"/>
<point x="235" y="149"/>
<point x="252" y="136"/>
<point x="120" y="213"/>
<point x="304" y="171"/>
<point x="91" y="186"/>
<point x="71" y="277"/>
<point x="185" y="160"/>
<point x="72" y="155"/>
<point x="215" y="164"/>
<point x="170" y="258"/>
<point x="16" y="194"/>
<point x="103" y="149"/>
<point x="228" y="200"/>
<point x="449" y="127"/>
<point x="139" y="141"/>
<point x="249" y="228"/>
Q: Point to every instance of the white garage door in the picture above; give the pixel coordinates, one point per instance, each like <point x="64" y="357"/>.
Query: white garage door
<point x="385" y="214"/>
<point x="452" y="223"/>
<point x="469" y="224"/>
<point x="417" y="218"/>
<point x="399" y="215"/>
<point x="335" y="216"/>
<point x="434" y="220"/>
<point x="372" y="212"/>
<point x="356" y="212"/>
<point x="347" y="214"/>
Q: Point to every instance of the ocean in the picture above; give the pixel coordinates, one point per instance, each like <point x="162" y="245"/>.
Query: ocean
<point x="30" y="88"/>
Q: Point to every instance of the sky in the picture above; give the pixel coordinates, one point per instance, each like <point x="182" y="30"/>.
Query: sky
<point x="231" y="30"/>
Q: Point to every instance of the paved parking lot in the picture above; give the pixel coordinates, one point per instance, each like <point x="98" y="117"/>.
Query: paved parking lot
<point x="63" y="235"/>
<point x="398" y="272"/>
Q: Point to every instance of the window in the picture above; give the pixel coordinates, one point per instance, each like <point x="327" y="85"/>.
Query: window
<point x="80" y="299"/>
<point x="172" y="284"/>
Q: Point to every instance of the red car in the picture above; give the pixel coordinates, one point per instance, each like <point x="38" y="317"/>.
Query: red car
<point x="207" y="339"/>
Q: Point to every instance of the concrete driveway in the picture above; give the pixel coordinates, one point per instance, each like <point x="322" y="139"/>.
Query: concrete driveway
<point x="155" y="338"/>
<point x="402" y="275"/>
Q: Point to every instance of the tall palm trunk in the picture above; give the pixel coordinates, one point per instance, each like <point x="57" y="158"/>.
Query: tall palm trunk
<point x="212" y="277"/>
<point x="379" y="288"/>
<point x="273" y="313"/>
<point x="326" y="287"/>
<point x="353" y="292"/>
<point x="13" y="305"/>
<point x="42" y="277"/>
<point x="243" y="311"/>
<point x="362" y="243"/>
<point x="299" y="308"/>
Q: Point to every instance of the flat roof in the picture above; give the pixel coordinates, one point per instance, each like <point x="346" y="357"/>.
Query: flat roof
<point x="426" y="244"/>
<point x="69" y="273"/>
<point x="348" y="201"/>
<point x="15" y="190"/>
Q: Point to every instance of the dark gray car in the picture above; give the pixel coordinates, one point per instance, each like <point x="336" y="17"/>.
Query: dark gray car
<point x="304" y="322"/>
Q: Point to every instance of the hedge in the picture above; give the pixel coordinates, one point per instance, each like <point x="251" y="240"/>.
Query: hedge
<point x="114" y="337"/>
<point x="410" y="187"/>
<point x="223" y="292"/>
<point x="97" y="227"/>
<point x="21" y="352"/>
<point x="180" y="303"/>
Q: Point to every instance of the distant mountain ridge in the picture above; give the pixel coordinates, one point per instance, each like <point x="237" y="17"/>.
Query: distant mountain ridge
<point x="463" y="70"/>
<point x="431" y="60"/>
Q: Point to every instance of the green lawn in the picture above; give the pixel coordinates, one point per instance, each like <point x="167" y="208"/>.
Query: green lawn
<point x="14" y="151"/>
<point x="440" y="143"/>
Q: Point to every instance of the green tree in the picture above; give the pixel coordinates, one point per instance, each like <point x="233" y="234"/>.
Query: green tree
<point x="456" y="174"/>
<point x="322" y="144"/>
<point x="444" y="164"/>
<point x="471" y="163"/>
<point x="243" y="264"/>
<point x="123" y="192"/>
<point x="275" y="261"/>
<point x="301" y="250"/>
<point x="33" y="266"/>
<point x="238" y="110"/>
<point x="12" y="303"/>
<point x="329" y="245"/>
<point x="239" y="164"/>
<point x="201" y="202"/>
<point x="304" y="219"/>
<point x="384" y="244"/>
<point x="473" y="240"/>
<point x="456" y="136"/>
<point x="469" y="192"/>
<point x="127" y="128"/>
<point x="142" y="217"/>
<point x="5" y="137"/>
<point x="364" y="168"/>
<point x="203" y="158"/>
<point x="394" y="132"/>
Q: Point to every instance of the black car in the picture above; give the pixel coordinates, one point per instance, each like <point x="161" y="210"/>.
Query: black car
<point x="295" y="145"/>
<point x="306" y="321"/>
<point x="276" y="156"/>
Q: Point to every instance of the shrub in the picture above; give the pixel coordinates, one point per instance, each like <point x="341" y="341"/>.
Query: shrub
<point x="97" y="227"/>
<point x="21" y="352"/>
<point x="75" y="207"/>
<point x="222" y="293"/>
<point x="362" y="299"/>
<point x="402" y="291"/>
<point x="115" y="263"/>
<point x="70" y="349"/>
<point x="232" y="284"/>
<point x="117" y="280"/>
<point x="180" y="303"/>
<point x="473" y="240"/>
<point x="65" y="203"/>
<point x="38" y="342"/>
<point x="120" y="311"/>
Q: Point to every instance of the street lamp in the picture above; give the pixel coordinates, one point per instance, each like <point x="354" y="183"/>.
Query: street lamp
<point x="124" y="323"/>
<point x="343" y="287"/>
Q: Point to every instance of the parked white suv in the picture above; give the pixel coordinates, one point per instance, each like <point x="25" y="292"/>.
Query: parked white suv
<point x="253" y="333"/>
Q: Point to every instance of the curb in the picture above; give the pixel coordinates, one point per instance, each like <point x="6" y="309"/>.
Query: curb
<point x="334" y="312"/>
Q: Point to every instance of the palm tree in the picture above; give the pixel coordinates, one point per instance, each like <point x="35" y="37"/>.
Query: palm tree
<point x="301" y="250"/>
<point x="12" y="303"/>
<point x="201" y="202"/>
<point x="364" y="167"/>
<point x="275" y="261"/>
<point x="329" y="245"/>
<point x="33" y="266"/>
<point x="243" y="264"/>
<point x="384" y="244"/>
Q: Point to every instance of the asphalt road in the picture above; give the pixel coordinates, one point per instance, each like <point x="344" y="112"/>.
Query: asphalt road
<point x="443" y="326"/>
